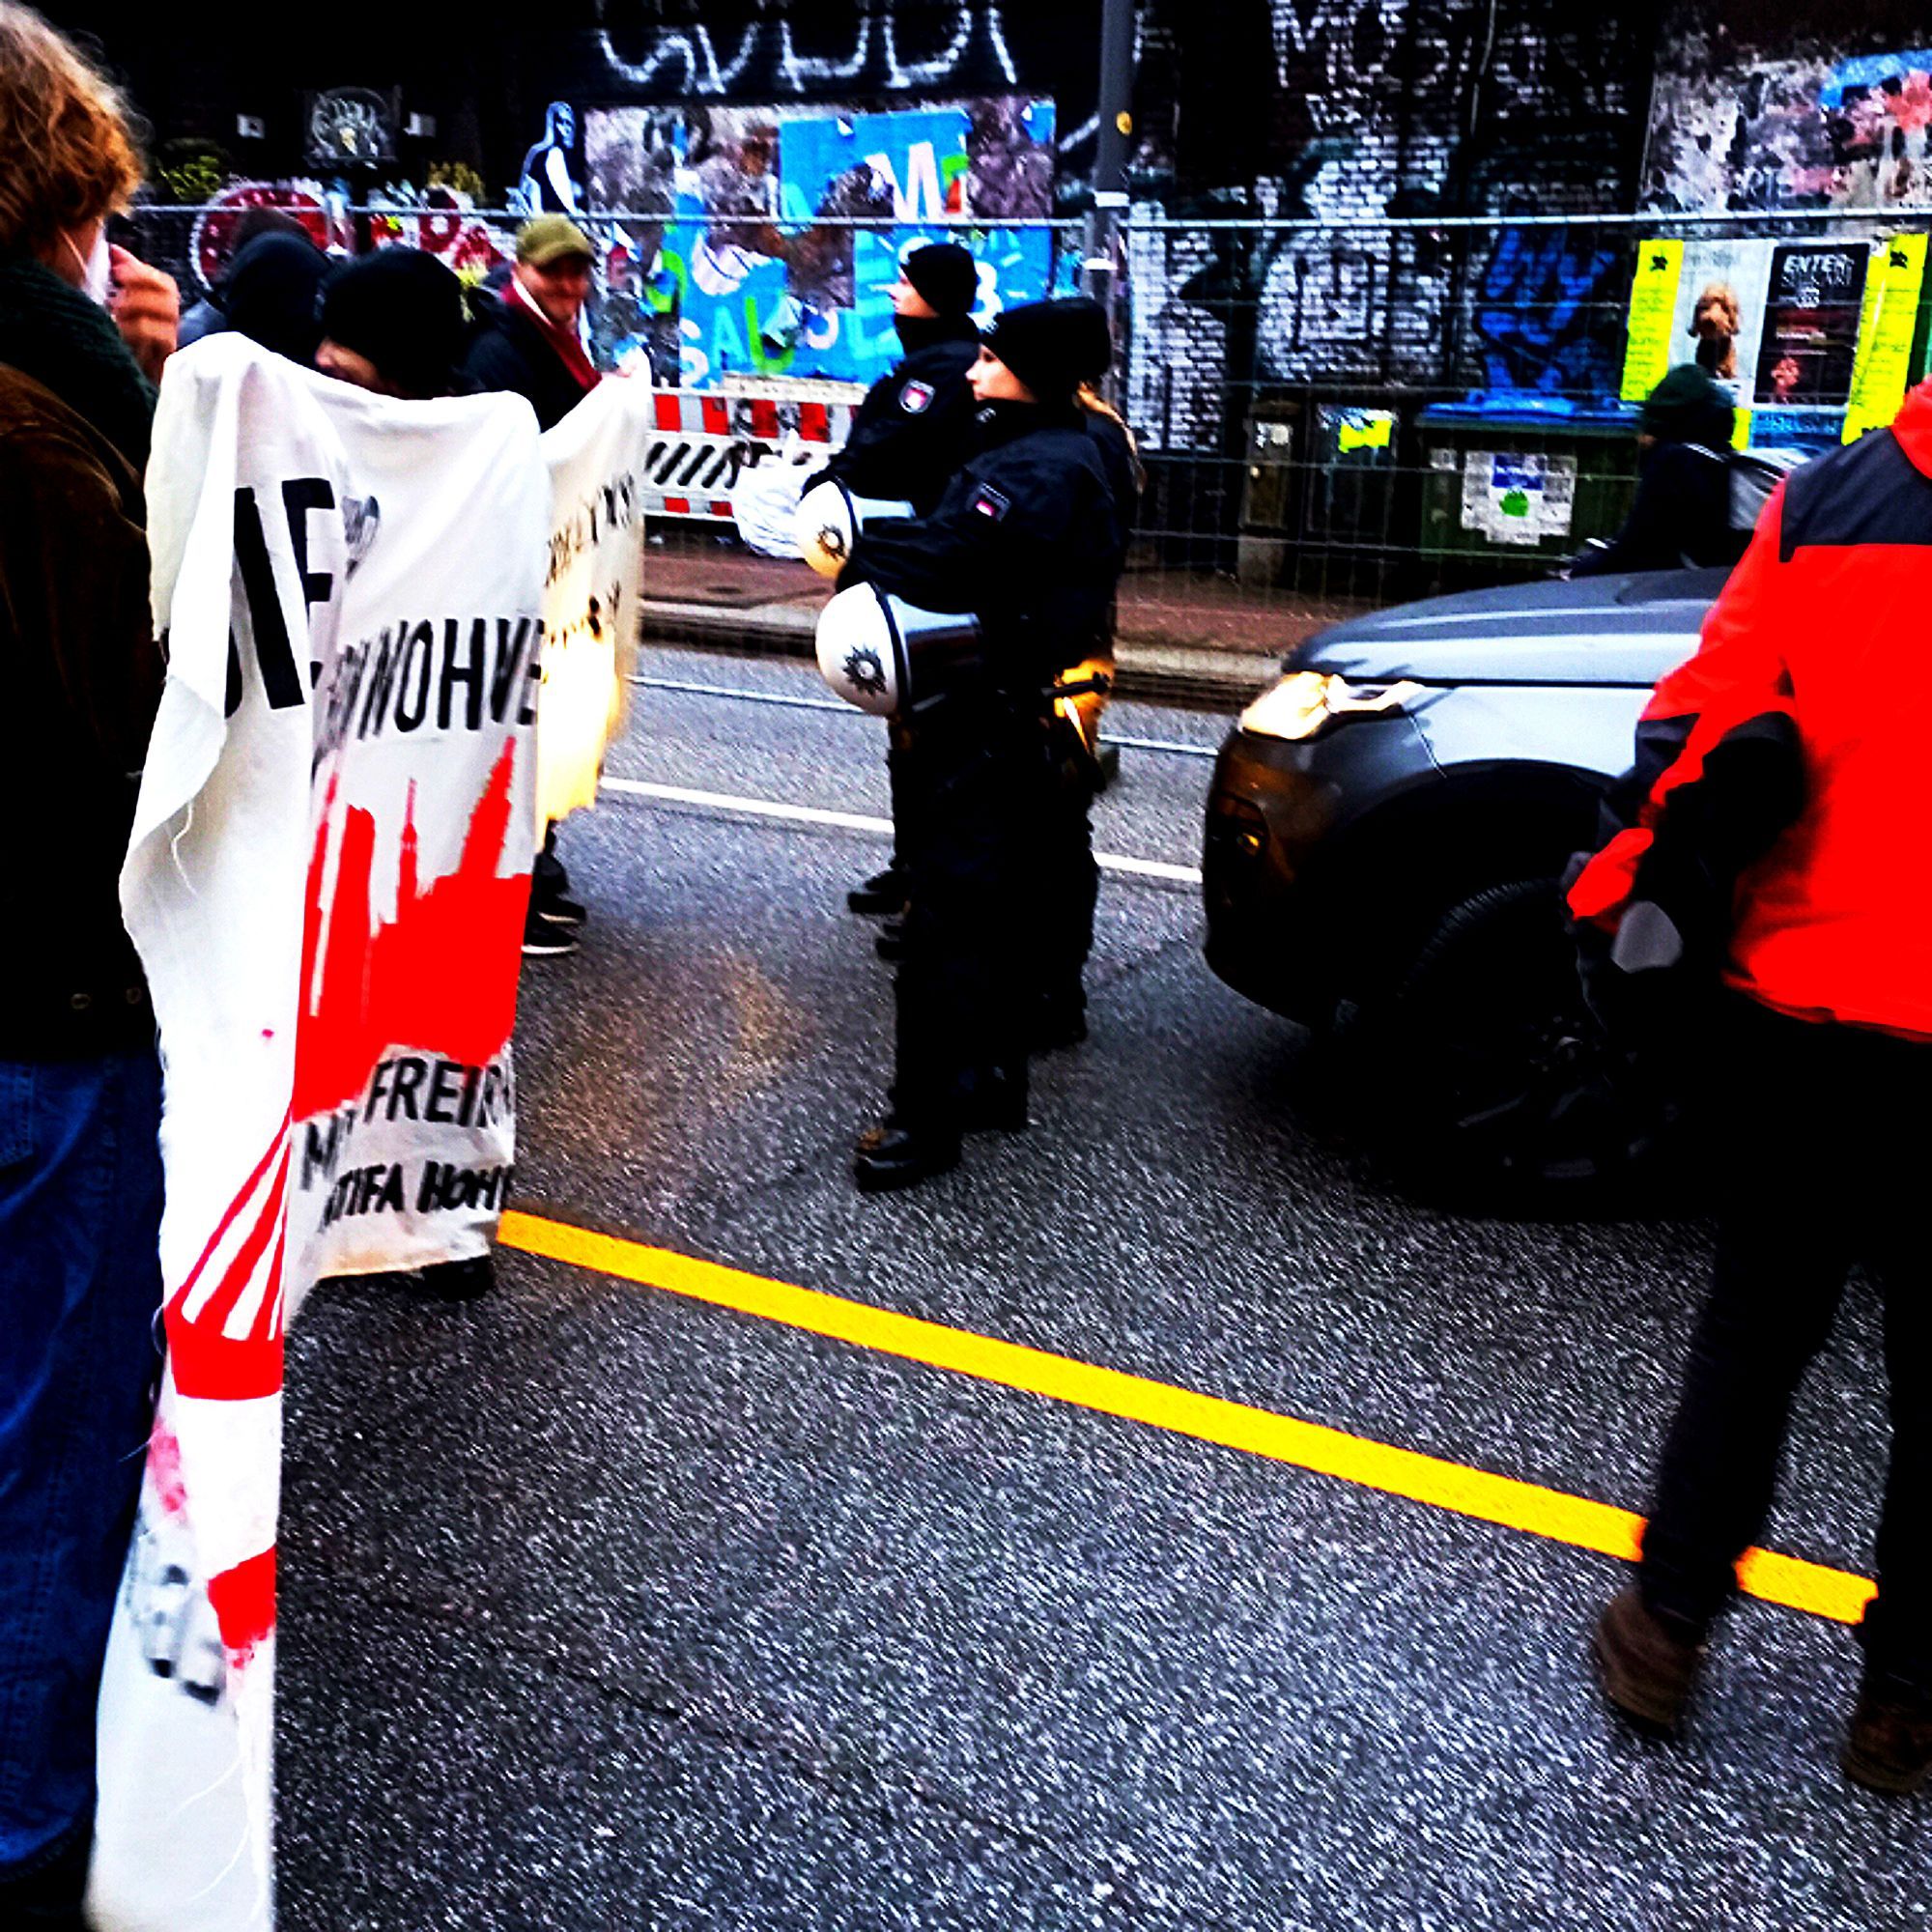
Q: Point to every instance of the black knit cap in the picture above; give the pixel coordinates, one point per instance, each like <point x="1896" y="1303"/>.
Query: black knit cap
<point x="269" y="295"/>
<point x="1048" y="345"/>
<point x="945" y="274"/>
<point x="402" y="310"/>
<point x="1689" y="406"/>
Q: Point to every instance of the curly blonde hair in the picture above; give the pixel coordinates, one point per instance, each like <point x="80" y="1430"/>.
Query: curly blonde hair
<point x="67" y="134"/>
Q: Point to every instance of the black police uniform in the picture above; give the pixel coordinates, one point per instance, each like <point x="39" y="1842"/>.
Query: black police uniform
<point x="913" y="430"/>
<point x="1027" y="538"/>
<point x="1069" y="881"/>
<point x="911" y="434"/>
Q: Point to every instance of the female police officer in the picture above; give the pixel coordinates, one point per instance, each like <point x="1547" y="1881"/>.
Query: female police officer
<point x="1027" y="538"/>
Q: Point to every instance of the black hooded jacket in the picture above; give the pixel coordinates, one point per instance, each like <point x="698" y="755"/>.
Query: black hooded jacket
<point x="915" y="427"/>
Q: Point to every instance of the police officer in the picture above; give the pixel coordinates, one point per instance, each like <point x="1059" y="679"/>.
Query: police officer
<point x="908" y="438"/>
<point x="1027" y="538"/>
<point x="1067" y="880"/>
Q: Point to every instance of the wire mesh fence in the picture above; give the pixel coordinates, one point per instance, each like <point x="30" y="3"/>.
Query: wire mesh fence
<point x="1333" y="415"/>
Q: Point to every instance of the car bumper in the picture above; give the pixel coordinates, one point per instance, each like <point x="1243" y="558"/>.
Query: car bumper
<point x="1281" y="898"/>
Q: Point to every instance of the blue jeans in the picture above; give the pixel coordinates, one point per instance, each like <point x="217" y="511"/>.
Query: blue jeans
<point x="80" y="1296"/>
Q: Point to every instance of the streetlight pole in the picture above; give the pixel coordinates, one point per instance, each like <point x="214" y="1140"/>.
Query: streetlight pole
<point x="1101" y="270"/>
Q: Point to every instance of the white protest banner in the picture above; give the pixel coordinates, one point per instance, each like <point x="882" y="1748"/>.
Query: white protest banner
<point x="423" y="834"/>
<point x="245" y="531"/>
<point x="596" y="456"/>
<point x="327" y="887"/>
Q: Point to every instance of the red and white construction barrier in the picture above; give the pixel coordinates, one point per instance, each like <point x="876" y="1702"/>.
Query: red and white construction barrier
<point x="705" y="439"/>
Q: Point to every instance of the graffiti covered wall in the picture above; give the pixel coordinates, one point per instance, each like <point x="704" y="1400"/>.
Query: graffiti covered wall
<point x="749" y="264"/>
<point x="1346" y="110"/>
<point x="1755" y="110"/>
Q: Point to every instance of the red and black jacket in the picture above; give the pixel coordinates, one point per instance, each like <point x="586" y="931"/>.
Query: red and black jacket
<point x="1779" y="816"/>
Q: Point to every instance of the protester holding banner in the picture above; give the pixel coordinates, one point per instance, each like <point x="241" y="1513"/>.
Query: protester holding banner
<point x="80" y="1173"/>
<point x="530" y="342"/>
<point x="394" y="322"/>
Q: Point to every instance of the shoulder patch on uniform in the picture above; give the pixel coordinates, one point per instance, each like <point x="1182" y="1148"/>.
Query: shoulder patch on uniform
<point x="916" y="398"/>
<point x="991" y="503"/>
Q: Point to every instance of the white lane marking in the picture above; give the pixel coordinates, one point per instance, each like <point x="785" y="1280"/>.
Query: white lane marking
<point x="853" y="821"/>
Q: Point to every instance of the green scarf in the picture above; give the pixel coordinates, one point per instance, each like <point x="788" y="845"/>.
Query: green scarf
<point x="68" y="344"/>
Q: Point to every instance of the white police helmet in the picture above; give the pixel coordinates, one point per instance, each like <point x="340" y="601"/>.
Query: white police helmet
<point x="830" y="519"/>
<point x="888" y="655"/>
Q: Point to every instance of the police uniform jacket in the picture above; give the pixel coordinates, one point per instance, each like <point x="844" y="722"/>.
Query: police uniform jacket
<point x="1026" y="537"/>
<point x="913" y="428"/>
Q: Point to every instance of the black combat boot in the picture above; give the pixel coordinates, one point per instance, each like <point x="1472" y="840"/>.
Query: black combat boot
<point x="898" y="1153"/>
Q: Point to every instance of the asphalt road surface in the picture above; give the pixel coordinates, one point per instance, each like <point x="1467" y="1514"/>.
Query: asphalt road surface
<point x="607" y="1604"/>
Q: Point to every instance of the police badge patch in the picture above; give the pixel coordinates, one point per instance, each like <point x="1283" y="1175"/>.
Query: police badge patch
<point x="915" y="398"/>
<point x="865" y="671"/>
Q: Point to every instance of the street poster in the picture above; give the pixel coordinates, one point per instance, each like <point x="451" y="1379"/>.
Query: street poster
<point x="1809" y="338"/>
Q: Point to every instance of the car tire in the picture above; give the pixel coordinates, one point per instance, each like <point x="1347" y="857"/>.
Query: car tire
<point x="1493" y="1081"/>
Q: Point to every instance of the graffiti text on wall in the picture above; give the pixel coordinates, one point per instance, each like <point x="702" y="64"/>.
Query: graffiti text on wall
<point x="942" y="46"/>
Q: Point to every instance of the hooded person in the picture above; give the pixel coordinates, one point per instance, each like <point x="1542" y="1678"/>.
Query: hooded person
<point x="1681" y="515"/>
<point x="210" y="315"/>
<point x="908" y="436"/>
<point x="394" y="321"/>
<point x="1025" y="538"/>
<point x="272" y="291"/>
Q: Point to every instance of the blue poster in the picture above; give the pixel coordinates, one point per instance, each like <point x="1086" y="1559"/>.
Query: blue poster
<point x="763" y="283"/>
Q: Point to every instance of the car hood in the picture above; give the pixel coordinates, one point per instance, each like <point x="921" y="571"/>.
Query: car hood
<point x="1625" y="630"/>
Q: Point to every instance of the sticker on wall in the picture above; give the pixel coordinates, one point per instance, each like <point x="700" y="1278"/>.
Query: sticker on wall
<point x="1517" y="498"/>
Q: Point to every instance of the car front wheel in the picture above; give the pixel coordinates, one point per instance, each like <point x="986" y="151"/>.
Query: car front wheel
<point x="1491" y="1078"/>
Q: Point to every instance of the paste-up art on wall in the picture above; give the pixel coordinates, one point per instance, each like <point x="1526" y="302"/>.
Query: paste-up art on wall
<point x="743" y="258"/>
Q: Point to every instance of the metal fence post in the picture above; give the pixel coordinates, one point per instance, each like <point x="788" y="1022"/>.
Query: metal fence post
<point x="1101" y="270"/>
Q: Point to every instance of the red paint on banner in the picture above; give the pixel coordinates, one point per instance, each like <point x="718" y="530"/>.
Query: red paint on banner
<point x="164" y="1470"/>
<point x="441" y="976"/>
<point x="208" y="1362"/>
<point x="244" y="1601"/>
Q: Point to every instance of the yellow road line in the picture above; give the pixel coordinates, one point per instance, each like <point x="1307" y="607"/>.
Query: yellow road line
<point x="1283" y="1438"/>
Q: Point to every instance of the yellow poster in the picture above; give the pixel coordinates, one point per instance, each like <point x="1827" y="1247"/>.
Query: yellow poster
<point x="1653" y="307"/>
<point x="1891" y="314"/>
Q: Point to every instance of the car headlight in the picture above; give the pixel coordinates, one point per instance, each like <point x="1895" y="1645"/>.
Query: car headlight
<point x="1304" y="701"/>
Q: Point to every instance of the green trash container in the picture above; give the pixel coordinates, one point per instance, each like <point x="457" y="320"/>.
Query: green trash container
<point x="1513" y="484"/>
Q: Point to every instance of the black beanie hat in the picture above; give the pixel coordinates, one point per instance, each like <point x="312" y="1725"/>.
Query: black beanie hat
<point x="1689" y="406"/>
<point x="402" y="310"/>
<point x="269" y="295"/>
<point x="946" y="275"/>
<point x="1048" y="345"/>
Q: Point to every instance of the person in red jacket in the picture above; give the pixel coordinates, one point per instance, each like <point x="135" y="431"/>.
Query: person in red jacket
<point x="1777" y="856"/>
